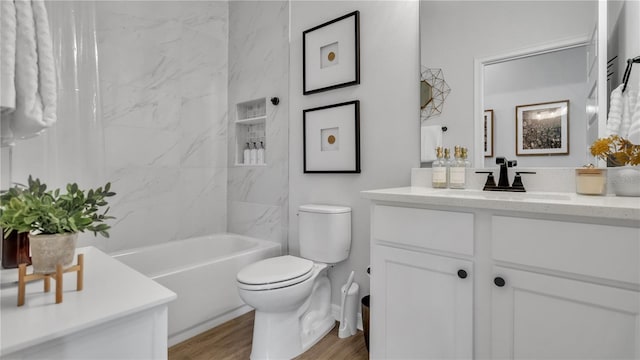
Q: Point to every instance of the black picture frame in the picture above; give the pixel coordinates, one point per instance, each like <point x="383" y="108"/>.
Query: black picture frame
<point x="331" y="138"/>
<point x="322" y="73"/>
<point x="488" y="133"/>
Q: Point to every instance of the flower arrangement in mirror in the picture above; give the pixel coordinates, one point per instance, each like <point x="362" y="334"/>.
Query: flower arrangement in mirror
<point x="618" y="151"/>
<point x="53" y="220"/>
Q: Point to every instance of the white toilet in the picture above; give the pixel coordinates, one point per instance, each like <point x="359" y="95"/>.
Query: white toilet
<point x="292" y="295"/>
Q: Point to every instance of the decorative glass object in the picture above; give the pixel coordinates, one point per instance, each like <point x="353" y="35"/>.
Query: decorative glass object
<point x="433" y="91"/>
<point x="15" y="250"/>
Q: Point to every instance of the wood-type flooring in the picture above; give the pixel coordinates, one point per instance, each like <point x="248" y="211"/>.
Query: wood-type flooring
<point x="232" y="340"/>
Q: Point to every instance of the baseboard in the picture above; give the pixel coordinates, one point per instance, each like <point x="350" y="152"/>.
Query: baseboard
<point x="335" y="311"/>
<point x="210" y="324"/>
<point x="207" y="325"/>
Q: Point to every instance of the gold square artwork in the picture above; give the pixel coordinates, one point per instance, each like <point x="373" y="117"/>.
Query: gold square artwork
<point x="329" y="55"/>
<point x="329" y="139"/>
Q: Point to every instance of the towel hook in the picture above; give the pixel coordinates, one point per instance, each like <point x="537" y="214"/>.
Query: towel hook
<point x="627" y="71"/>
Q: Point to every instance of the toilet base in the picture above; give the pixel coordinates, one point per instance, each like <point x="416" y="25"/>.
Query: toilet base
<point x="320" y="332"/>
<point x="285" y="335"/>
<point x="278" y="336"/>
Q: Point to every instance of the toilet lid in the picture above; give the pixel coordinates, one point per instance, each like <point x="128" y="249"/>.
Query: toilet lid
<point x="275" y="270"/>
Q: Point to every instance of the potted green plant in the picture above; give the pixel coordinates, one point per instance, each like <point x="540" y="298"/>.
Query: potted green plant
<point x="53" y="220"/>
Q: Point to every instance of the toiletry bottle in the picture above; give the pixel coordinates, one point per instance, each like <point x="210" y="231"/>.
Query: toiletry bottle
<point x="457" y="171"/>
<point x="261" y="153"/>
<point x="246" y="154"/>
<point x="447" y="163"/>
<point x="253" y="155"/>
<point x="438" y="171"/>
<point x="467" y="163"/>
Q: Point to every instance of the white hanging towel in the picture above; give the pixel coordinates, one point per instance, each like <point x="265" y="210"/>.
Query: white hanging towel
<point x="614" y="119"/>
<point x="35" y="77"/>
<point x="633" y="133"/>
<point x="7" y="56"/>
<point x="629" y="98"/>
<point x="431" y="137"/>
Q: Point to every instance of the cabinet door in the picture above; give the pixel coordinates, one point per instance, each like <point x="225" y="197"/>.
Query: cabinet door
<point x="538" y="316"/>
<point x="421" y="308"/>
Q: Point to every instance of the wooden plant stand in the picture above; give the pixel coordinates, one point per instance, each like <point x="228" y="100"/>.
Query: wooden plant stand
<point x="24" y="278"/>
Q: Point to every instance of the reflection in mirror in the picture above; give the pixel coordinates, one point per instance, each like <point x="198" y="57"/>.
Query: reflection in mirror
<point x="454" y="35"/>
<point x="517" y="87"/>
<point x="426" y="93"/>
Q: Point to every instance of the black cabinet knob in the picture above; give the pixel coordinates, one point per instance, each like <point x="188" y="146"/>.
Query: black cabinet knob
<point x="462" y="274"/>
<point x="499" y="281"/>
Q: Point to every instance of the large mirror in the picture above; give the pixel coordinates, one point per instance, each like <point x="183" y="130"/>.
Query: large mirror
<point x="523" y="60"/>
<point x="536" y="106"/>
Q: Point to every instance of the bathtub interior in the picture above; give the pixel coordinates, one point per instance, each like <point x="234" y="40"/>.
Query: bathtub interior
<point x="206" y="292"/>
<point x="202" y="272"/>
<point x="156" y="260"/>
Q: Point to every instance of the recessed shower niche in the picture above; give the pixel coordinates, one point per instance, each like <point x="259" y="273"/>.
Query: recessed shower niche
<point x="251" y="141"/>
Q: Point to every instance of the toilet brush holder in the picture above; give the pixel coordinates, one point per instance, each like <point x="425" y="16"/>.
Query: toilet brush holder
<point x="349" y="320"/>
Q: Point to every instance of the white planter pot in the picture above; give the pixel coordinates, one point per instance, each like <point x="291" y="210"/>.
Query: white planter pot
<point x="625" y="181"/>
<point x="49" y="250"/>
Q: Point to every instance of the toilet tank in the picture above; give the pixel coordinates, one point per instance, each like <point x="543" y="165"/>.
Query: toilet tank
<point x="324" y="232"/>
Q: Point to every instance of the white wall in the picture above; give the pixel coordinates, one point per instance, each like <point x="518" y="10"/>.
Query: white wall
<point x="163" y="74"/>
<point x="548" y="77"/>
<point x="389" y="118"/>
<point x="163" y="84"/>
<point x="259" y="68"/>
<point x="454" y="33"/>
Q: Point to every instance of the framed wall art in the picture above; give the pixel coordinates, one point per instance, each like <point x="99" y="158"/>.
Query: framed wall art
<point x="542" y="129"/>
<point x="331" y="54"/>
<point x="488" y="133"/>
<point x="331" y="138"/>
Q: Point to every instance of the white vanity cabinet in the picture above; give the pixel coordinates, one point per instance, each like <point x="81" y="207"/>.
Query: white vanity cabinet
<point x="535" y="316"/>
<point x="541" y="282"/>
<point x="564" y="290"/>
<point x="422" y="300"/>
<point x="421" y="307"/>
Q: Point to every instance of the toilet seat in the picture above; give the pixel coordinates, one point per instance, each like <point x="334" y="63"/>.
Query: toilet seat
<point x="275" y="273"/>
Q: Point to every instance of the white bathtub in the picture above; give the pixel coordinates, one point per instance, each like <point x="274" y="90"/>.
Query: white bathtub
<point x="202" y="271"/>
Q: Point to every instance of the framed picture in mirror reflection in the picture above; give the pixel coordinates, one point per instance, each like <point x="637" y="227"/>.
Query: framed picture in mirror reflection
<point x="543" y="128"/>
<point x="488" y="133"/>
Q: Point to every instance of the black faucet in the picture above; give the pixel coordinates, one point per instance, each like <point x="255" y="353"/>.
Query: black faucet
<point x="503" y="180"/>
<point x="490" y="185"/>
<point x="518" y="186"/>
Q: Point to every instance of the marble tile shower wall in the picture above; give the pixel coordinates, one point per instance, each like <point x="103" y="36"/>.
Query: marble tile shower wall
<point x="163" y="78"/>
<point x="259" y="67"/>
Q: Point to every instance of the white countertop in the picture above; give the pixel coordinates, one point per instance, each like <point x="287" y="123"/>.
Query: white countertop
<point x="112" y="290"/>
<point x="606" y="207"/>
